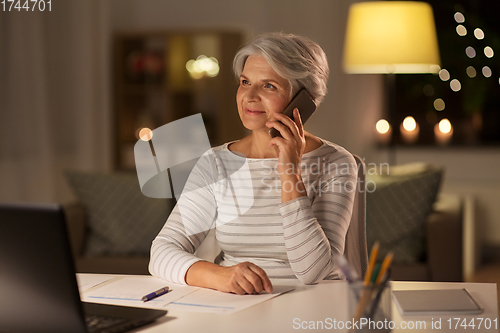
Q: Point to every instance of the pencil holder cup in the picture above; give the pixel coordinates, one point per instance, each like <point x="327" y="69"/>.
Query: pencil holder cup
<point x="369" y="308"/>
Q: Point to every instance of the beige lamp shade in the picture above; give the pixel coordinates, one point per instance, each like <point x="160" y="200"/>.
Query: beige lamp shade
<point x="391" y="37"/>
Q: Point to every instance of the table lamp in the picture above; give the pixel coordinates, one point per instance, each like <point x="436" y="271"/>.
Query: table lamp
<point x="391" y="37"/>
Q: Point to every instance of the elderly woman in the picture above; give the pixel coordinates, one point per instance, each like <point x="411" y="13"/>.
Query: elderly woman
<point x="303" y="191"/>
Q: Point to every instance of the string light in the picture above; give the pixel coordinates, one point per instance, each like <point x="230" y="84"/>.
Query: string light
<point x="471" y="71"/>
<point x="471" y="53"/>
<point x="459" y="17"/>
<point x="479" y="33"/>
<point x="486" y="71"/>
<point x="461" y="30"/>
<point x="444" y="75"/>
<point x="455" y="85"/>
<point x="488" y="51"/>
<point x="439" y="104"/>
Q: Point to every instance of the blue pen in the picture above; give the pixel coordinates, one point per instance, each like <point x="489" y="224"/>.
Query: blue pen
<point x="155" y="294"/>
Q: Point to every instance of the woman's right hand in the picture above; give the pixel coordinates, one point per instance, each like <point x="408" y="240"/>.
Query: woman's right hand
<point x="243" y="278"/>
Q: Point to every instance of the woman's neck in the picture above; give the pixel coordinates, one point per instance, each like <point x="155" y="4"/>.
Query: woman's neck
<point x="256" y="145"/>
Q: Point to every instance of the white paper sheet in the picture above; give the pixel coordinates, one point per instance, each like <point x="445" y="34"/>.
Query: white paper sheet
<point x="208" y="300"/>
<point x="128" y="291"/>
<point x="87" y="281"/>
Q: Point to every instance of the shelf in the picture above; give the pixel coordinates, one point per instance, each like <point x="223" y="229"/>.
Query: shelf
<point x="140" y="57"/>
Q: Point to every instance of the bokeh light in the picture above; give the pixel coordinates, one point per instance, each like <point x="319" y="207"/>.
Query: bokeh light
<point x="434" y="68"/>
<point x="455" y="85"/>
<point x="444" y="75"/>
<point x="439" y="104"/>
<point x="471" y="71"/>
<point x="145" y="134"/>
<point x="478" y="33"/>
<point x="486" y="71"/>
<point x="461" y="30"/>
<point x="202" y="66"/>
<point x="459" y="17"/>
<point x="382" y="126"/>
<point x="445" y="126"/>
<point x="488" y="51"/>
<point x="409" y="124"/>
<point x="471" y="53"/>
<point x="428" y="90"/>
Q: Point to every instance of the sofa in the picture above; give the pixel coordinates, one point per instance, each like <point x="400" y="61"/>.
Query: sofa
<point x="443" y="258"/>
<point x="112" y="225"/>
<point x="77" y="225"/>
<point x="443" y="253"/>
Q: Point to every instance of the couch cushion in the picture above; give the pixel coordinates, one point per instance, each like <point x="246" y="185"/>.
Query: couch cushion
<point x="410" y="272"/>
<point x="397" y="205"/>
<point x="113" y="265"/>
<point x="121" y="220"/>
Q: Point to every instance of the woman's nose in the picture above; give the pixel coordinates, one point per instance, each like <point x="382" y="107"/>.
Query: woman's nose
<point x="253" y="94"/>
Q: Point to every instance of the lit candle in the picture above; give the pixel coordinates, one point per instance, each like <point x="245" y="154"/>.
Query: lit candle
<point x="409" y="130"/>
<point x="443" y="131"/>
<point x="384" y="131"/>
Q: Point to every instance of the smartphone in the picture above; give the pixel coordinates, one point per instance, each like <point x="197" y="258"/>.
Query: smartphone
<point x="301" y="101"/>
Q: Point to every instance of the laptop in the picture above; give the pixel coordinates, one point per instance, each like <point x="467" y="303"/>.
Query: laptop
<point x="38" y="287"/>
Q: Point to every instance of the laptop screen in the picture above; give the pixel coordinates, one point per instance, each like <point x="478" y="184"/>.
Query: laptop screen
<point x="38" y="289"/>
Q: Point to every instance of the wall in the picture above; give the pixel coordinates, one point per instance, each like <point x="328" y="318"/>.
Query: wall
<point x="77" y="72"/>
<point x="352" y="105"/>
<point x="54" y="98"/>
<point x="354" y="102"/>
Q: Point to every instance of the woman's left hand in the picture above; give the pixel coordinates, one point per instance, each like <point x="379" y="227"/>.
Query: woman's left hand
<point x="291" y="145"/>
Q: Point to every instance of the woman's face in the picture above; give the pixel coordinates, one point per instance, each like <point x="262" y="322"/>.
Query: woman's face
<point x="261" y="93"/>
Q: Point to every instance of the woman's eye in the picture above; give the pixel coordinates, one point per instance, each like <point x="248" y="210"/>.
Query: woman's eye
<point x="244" y="82"/>
<point x="270" y="86"/>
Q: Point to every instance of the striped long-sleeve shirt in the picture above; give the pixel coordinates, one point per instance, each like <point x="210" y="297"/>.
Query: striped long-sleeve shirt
<point x="241" y="198"/>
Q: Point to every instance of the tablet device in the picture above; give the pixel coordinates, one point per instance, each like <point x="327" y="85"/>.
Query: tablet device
<point x="435" y="302"/>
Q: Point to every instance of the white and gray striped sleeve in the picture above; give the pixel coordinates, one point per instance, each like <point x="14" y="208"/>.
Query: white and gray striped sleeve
<point x="187" y="226"/>
<point x="315" y="231"/>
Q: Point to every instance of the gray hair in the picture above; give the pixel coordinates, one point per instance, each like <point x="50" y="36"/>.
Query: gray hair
<point x="295" y="58"/>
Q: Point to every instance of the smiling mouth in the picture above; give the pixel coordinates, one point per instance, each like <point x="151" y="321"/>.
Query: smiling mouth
<point x="254" y="112"/>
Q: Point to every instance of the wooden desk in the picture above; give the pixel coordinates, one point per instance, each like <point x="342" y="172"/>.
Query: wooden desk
<point x="309" y="307"/>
